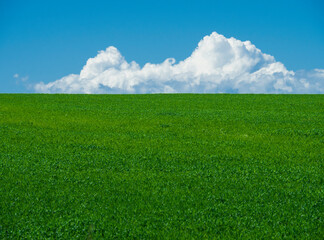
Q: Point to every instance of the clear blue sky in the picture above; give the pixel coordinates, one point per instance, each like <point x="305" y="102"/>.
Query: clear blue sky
<point x="46" y="40"/>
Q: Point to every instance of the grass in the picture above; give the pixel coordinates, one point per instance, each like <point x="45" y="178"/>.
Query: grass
<point x="161" y="166"/>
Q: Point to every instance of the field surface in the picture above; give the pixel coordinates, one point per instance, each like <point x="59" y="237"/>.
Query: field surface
<point x="161" y="166"/>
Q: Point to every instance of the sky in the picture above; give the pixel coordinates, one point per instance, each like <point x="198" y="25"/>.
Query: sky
<point x="162" y="46"/>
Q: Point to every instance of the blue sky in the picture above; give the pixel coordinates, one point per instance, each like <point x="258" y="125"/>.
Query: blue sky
<point x="47" y="40"/>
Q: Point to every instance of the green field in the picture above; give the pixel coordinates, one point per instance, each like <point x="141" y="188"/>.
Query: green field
<point x="180" y="166"/>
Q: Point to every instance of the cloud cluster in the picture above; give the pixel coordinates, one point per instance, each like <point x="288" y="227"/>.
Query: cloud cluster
<point x="20" y="78"/>
<point x="217" y="65"/>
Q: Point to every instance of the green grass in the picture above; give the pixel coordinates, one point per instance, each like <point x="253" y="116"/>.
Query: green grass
<point x="161" y="166"/>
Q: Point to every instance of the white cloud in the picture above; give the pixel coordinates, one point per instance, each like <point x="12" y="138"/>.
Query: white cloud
<point x="24" y="79"/>
<point x="218" y="64"/>
<point x="20" y="79"/>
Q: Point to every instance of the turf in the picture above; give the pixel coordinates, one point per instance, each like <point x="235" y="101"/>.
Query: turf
<point x="180" y="166"/>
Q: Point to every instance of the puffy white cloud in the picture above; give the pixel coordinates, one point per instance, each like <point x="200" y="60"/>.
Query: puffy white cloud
<point x="218" y="64"/>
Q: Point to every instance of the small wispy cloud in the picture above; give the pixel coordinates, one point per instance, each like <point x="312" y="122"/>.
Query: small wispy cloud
<point x="218" y="64"/>
<point x="24" y="79"/>
<point x="20" y="79"/>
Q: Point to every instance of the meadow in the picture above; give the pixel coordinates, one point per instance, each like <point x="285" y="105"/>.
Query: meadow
<point x="179" y="166"/>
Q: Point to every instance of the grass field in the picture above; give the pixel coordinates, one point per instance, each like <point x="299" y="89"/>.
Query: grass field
<point x="161" y="166"/>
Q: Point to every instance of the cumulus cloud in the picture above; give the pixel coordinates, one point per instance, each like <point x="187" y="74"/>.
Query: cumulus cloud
<point x="217" y="65"/>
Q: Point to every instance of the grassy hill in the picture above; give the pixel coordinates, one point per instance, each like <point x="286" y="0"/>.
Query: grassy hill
<point x="180" y="166"/>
